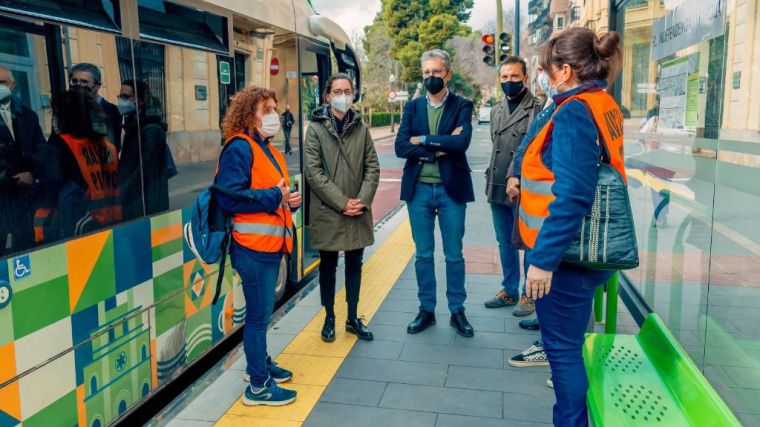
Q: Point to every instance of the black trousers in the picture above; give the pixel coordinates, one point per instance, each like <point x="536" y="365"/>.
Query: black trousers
<point x="327" y="269"/>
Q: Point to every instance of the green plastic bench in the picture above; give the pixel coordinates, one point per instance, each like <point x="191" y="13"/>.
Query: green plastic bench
<point x="649" y="379"/>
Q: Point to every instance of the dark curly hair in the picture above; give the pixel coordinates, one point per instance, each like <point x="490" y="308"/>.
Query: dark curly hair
<point x="243" y="107"/>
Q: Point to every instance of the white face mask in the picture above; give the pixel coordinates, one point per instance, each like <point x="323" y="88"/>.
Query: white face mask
<point x="270" y="125"/>
<point x="341" y="103"/>
<point x="5" y="93"/>
<point x="126" y="107"/>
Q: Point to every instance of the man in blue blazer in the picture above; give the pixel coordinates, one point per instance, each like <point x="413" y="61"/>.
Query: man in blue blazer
<point x="434" y="135"/>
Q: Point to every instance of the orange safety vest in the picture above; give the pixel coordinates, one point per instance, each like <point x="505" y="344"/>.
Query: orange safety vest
<point x="99" y="164"/>
<point x="264" y="231"/>
<point x="536" y="179"/>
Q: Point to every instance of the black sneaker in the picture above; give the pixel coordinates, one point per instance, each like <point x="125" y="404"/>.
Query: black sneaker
<point x="530" y="324"/>
<point x="532" y="356"/>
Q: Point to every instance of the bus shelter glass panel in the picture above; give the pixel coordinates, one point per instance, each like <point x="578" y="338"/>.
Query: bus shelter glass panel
<point x="664" y="91"/>
<point x="730" y="327"/>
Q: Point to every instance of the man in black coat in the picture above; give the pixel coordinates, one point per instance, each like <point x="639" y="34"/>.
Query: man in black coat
<point x="89" y="76"/>
<point x="20" y="138"/>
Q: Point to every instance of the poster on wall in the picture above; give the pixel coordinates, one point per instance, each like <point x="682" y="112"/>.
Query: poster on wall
<point x="688" y="24"/>
<point x="679" y="89"/>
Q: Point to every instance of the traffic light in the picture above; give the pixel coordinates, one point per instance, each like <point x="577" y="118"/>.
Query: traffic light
<point x="504" y="46"/>
<point x="489" y="53"/>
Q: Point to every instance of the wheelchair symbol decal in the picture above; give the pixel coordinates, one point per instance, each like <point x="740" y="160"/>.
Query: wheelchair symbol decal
<point x="22" y="267"/>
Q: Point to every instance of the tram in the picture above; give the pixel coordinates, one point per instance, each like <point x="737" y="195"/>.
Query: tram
<point x="94" y="322"/>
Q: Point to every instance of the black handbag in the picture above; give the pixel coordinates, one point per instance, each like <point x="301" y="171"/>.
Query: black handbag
<point x="607" y="237"/>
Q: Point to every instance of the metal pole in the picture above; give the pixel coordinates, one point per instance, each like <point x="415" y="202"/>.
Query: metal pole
<point x="497" y="42"/>
<point x="610" y="321"/>
<point x="516" y="30"/>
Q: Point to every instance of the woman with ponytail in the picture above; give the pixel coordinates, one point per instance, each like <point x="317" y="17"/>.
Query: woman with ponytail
<point x="558" y="179"/>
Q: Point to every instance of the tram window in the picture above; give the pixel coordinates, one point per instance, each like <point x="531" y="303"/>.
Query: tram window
<point x="169" y="22"/>
<point x="175" y="126"/>
<point x="24" y="125"/>
<point x="98" y="14"/>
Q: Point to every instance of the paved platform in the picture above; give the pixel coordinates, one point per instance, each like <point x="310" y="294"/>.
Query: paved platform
<point x="435" y="378"/>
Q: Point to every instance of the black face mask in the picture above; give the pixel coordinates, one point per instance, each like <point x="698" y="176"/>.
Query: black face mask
<point x="512" y="89"/>
<point x="434" y="85"/>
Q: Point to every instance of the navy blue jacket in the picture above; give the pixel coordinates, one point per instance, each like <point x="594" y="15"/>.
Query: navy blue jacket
<point x="455" y="171"/>
<point x="572" y="154"/>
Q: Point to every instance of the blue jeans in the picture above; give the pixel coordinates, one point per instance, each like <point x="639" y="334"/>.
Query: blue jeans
<point x="564" y="314"/>
<point x="503" y="221"/>
<point x="428" y="201"/>
<point x="259" y="278"/>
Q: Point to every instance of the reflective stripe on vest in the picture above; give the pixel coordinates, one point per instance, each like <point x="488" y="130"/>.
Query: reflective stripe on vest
<point x="98" y="162"/>
<point x="264" y="231"/>
<point x="536" y="180"/>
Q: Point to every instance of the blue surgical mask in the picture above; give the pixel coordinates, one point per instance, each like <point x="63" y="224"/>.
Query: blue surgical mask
<point x="5" y="93"/>
<point x="548" y="89"/>
<point x="126" y="107"/>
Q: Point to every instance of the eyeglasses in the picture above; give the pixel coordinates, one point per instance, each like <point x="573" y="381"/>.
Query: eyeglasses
<point x="338" y="92"/>
<point x="434" y="72"/>
<point x="80" y="82"/>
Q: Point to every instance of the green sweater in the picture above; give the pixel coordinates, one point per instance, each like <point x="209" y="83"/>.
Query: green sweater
<point x="429" y="173"/>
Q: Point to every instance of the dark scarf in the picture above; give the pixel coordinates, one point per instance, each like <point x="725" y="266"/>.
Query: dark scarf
<point x="340" y="126"/>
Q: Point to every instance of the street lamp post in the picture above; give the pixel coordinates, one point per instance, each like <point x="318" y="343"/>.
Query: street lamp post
<point x="391" y="84"/>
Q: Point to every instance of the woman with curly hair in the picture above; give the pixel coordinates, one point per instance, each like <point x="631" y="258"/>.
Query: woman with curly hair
<point x="262" y="228"/>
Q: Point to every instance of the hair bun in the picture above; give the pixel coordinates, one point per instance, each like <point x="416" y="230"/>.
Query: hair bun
<point x="608" y="45"/>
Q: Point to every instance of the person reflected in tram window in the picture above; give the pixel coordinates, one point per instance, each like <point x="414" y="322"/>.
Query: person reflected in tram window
<point x="20" y="166"/>
<point x="343" y="172"/>
<point x="88" y="194"/>
<point x="143" y="172"/>
<point x="287" y="126"/>
<point x="89" y="77"/>
<point x="262" y="222"/>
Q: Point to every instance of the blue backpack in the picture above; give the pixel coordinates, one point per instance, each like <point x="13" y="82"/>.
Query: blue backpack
<point x="208" y="234"/>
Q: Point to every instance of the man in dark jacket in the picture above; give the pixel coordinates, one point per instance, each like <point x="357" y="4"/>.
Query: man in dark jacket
<point x="20" y="138"/>
<point x="89" y="76"/>
<point x="510" y="119"/>
<point x="287" y="126"/>
<point x="434" y="135"/>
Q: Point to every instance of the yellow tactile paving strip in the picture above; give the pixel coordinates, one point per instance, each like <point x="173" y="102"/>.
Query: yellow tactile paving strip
<point x="313" y="362"/>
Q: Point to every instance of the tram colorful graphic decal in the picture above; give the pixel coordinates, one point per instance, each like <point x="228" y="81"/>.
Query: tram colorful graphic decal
<point x="90" y="327"/>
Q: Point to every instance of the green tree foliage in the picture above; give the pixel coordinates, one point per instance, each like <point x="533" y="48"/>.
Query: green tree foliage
<point x="379" y="65"/>
<point x="419" y="25"/>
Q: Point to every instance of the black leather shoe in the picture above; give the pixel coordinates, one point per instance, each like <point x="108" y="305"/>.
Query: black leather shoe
<point x="423" y="320"/>
<point x="460" y="323"/>
<point x="328" y="330"/>
<point x="357" y="328"/>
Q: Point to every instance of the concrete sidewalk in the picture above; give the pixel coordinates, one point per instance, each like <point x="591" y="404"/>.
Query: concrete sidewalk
<point x="435" y="378"/>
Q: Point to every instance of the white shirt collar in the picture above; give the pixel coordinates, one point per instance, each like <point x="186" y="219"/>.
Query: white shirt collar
<point x="443" y="102"/>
